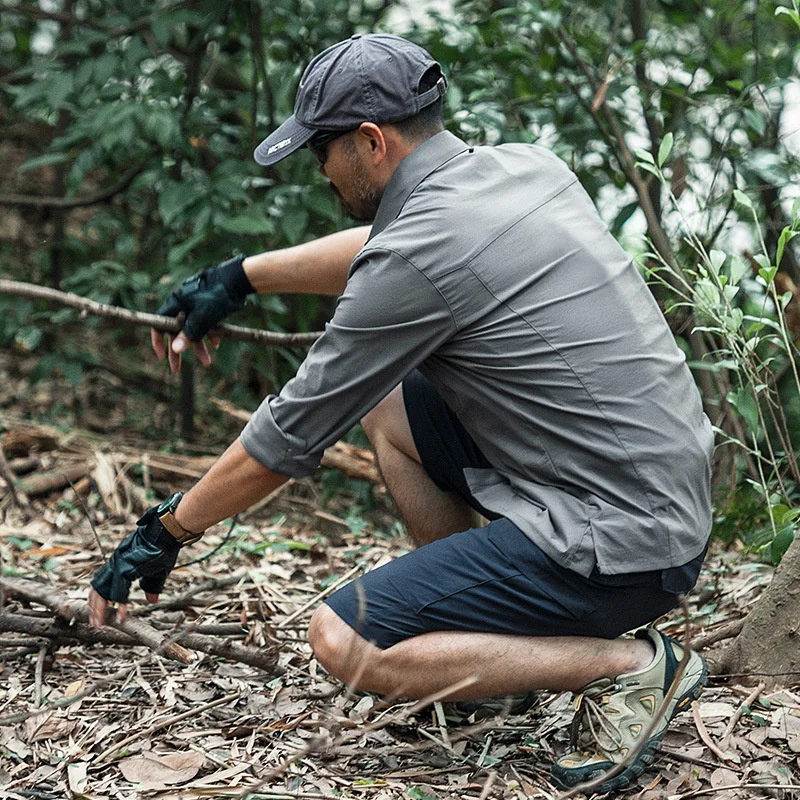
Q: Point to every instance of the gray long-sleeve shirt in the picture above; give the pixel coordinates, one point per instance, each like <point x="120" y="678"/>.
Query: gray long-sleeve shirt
<point x="490" y="270"/>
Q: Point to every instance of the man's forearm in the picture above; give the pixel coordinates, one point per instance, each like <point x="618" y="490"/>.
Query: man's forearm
<point x="317" y="267"/>
<point x="234" y="483"/>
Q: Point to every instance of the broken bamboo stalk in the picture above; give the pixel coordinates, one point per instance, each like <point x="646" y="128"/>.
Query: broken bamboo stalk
<point x="167" y="324"/>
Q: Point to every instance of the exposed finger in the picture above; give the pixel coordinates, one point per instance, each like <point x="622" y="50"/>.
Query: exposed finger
<point x="174" y="358"/>
<point x="97" y="609"/>
<point x="157" y="341"/>
<point x="202" y="353"/>
<point x="214" y="340"/>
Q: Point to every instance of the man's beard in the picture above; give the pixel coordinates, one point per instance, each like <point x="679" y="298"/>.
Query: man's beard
<point x="362" y="205"/>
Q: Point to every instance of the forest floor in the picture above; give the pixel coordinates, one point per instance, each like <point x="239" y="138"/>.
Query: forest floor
<point x="142" y="725"/>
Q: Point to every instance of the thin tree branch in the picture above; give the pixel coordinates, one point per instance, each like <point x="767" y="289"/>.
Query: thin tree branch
<point x="166" y="324"/>
<point x="34" y="201"/>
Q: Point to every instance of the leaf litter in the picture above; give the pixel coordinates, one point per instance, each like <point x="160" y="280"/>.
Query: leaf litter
<point x="216" y="728"/>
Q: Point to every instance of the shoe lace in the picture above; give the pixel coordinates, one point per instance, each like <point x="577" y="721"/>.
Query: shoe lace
<point x="591" y="721"/>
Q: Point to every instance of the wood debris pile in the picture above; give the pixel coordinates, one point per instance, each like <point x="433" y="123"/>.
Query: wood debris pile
<point x="118" y="714"/>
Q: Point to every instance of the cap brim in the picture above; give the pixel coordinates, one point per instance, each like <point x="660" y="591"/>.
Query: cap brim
<point x="291" y="136"/>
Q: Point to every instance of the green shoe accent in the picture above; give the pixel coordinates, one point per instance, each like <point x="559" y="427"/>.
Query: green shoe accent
<point x="611" y="715"/>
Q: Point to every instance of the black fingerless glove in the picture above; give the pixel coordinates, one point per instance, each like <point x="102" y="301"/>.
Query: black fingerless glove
<point x="149" y="554"/>
<point x="208" y="297"/>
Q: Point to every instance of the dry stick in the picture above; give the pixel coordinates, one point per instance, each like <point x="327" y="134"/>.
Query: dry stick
<point x="705" y="736"/>
<point x="185" y="599"/>
<point x="319" y="741"/>
<point x="326" y="591"/>
<point x="729" y="787"/>
<point x="727" y="631"/>
<point x="589" y="786"/>
<point x="38" y="680"/>
<point x="79" y="610"/>
<point x="167" y="324"/>
<point x="264" y="658"/>
<point x="165" y="723"/>
<point x="19" y="498"/>
<point x="747" y="703"/>
<point x="487" y="787"/>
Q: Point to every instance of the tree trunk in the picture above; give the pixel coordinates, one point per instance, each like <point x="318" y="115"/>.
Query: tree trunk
<point x="770" y="639"/>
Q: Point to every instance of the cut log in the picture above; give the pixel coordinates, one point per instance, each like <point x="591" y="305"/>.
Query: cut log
<point x="39" y="483"/>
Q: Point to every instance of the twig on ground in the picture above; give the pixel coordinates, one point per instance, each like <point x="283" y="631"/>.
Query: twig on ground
<point x="19" y="497"/>
<point x="79" y="611"/>
<point x="727" y="631"/>
<point x="487" y="786"/>
<point x="317" y="597"/>
<point x="165" y="723"/>
<point x="682" y="758"/>
<point x="729" y="787"/>
<point x="746" y="703"/>
<point x="39" y="677"/>
<point x="185" y="599"/>
<point x="264" y="658"/>
<point x="705" y="736"/>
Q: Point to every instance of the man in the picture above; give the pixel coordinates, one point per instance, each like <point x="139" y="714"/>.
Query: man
<point x="506" y="360"/>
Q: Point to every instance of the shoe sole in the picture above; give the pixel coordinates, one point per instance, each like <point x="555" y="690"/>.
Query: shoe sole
<point x="648" y="753"/>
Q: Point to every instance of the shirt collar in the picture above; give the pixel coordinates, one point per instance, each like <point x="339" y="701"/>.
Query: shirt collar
<point x="411" y="171"/>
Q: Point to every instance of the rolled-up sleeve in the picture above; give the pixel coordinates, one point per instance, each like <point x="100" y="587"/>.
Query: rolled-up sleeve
<point x="389" y="319"/>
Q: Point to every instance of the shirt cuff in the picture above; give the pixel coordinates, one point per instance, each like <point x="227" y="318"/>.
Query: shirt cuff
<point x="279" y="451"/>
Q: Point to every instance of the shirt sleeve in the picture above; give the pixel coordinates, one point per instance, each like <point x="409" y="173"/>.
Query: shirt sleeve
<point x="389" y="319"/>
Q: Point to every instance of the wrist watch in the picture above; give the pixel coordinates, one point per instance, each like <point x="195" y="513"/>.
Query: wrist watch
<point x="166" y="516"/>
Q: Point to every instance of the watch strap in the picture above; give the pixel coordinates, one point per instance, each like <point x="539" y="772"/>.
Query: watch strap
<point x="178" y="532"/>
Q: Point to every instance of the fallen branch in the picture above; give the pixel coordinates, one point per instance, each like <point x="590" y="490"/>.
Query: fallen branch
<point x="79" y="611"/>
<point x="355" y="462"/>
<point x="40" y="483"/>
<point x="166" y="324"/>
<point x="727" y="631"/>
<point x="131" y="632"/>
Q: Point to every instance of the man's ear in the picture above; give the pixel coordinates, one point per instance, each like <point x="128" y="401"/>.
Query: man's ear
<point x="372" y="139"/>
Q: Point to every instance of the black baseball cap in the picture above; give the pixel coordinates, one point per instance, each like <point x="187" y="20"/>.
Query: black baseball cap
<point x="367" y="78"/>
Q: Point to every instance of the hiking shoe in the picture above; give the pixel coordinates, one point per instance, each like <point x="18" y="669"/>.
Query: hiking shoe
<point x="464" y="711"/>
<point x="611" y="715"/>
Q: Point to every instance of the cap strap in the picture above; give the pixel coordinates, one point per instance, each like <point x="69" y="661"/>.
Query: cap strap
<point x="434" y="93"/>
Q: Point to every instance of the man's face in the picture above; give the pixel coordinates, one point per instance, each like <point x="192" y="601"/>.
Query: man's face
<point x="350" y="179"/>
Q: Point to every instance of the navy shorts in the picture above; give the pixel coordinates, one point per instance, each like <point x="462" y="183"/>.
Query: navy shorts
<point x="492" y="579"/>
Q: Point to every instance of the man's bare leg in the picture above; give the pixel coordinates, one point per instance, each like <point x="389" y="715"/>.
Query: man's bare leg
<point x="500" y="664"/>
<point x="428" y="512"/>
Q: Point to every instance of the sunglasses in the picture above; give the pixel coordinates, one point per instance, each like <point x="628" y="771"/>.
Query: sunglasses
<point x="318" y="144"/>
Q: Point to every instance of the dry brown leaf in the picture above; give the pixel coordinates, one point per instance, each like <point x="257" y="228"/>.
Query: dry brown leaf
<point x="286" y="706"/>
<point x="48" y="726"/>
<point x="157" y="771"/>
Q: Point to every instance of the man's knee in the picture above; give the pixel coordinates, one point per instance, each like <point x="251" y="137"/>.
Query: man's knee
<point x="339" y="649"/>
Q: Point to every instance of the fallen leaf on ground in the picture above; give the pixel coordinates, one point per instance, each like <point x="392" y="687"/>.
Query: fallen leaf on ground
<point x="157" y="771"/>
<point x="48" y="726"/>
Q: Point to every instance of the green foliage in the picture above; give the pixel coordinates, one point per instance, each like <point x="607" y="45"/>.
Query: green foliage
<point x="157" y="107"/>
